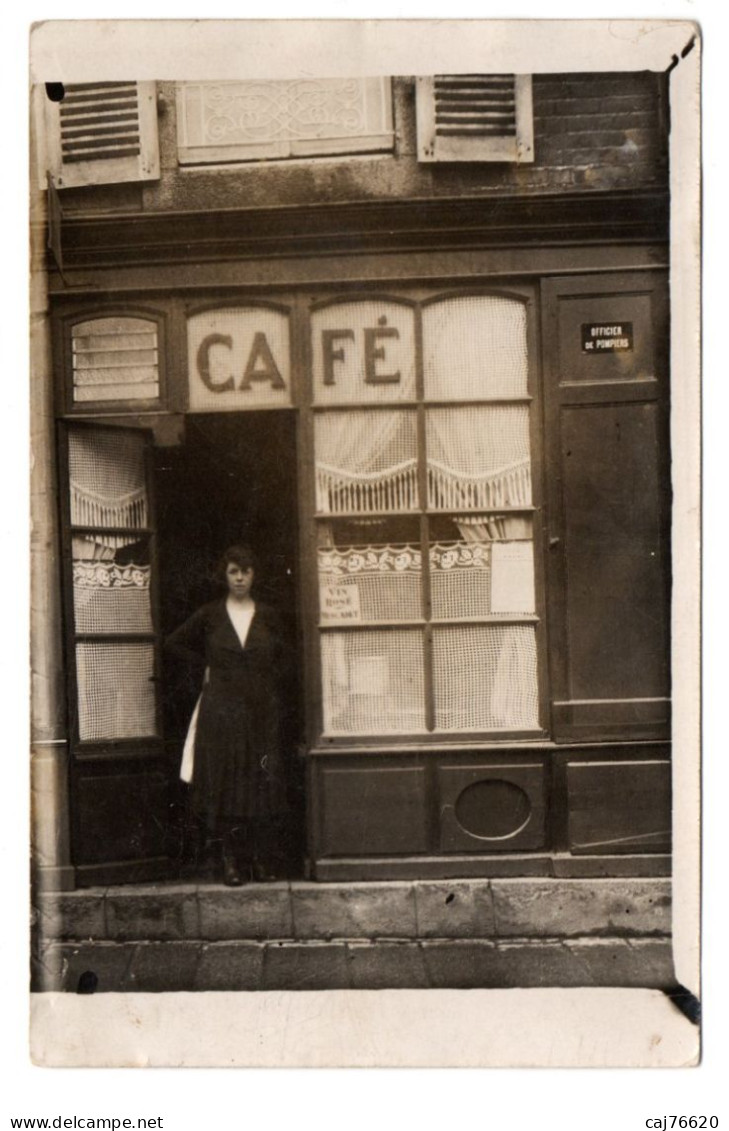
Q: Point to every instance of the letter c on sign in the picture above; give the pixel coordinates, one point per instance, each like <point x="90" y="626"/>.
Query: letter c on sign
<point x="203" y="362"/>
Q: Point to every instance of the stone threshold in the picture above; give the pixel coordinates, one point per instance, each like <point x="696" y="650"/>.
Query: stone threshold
<point x="489" y="909"/>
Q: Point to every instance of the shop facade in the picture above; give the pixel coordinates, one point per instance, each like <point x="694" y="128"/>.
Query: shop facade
<point x="430" y="386"/>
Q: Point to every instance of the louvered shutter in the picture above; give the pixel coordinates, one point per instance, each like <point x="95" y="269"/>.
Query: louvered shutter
<point x="103" y="133"/>
<point x="475" y="118"/>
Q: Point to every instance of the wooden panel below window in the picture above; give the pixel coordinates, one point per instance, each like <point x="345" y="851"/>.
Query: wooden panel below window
<point x="619" y="807"/>
<point x="492" y="808"/>
<point x="373" y="811"/>
<point x="120" y="816"/>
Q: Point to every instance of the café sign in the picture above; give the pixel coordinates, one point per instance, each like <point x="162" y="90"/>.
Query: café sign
<point x="239" y="358"/>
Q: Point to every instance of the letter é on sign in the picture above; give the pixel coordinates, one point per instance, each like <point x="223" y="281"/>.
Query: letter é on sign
<point x="261" y="366"/>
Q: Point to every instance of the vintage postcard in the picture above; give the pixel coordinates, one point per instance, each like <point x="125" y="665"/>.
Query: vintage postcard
<point x="365" y="576"/>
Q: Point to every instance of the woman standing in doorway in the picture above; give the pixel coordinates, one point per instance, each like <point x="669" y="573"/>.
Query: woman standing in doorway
<point x="233" y="757"/>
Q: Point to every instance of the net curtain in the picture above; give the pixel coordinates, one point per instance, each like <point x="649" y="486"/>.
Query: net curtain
<point x="366" y="461"/>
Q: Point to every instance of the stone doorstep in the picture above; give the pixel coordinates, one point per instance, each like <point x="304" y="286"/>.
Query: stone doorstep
<point x="458" y="909"/>
<point x="178" y="966"/>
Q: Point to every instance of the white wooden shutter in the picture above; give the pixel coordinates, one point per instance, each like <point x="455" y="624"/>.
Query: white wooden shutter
<point x="219" y="122"/>
<point x="475" y="118"/>
<point x="103" y="133"/>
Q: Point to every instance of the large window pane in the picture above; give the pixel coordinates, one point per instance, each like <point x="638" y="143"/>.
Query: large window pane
<point x="111" y="598"/>
<point x="366" y="462"/>
<point x="363" y="351"/>
<point x="115" y="690"/>
<point x="485" y="677"/>
<point x="489" y="571"/>
<point x="373" y="682"/>
<point x="478" y="457"/>
<point x="474" y="348"/>
<point x="370" y="583"/>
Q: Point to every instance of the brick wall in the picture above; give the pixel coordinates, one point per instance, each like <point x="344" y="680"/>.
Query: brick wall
<point x="592" y="132"/>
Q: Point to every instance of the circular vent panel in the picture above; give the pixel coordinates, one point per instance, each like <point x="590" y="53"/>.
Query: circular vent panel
<point x="493" y="809"/>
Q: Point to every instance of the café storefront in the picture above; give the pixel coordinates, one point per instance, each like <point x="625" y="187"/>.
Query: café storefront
<point x="453" y="467"/>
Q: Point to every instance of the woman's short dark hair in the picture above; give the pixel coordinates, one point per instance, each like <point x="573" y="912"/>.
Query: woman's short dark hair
<point x="237" y="555"/>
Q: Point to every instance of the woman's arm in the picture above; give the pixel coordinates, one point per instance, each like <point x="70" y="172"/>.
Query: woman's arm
<point x="188" y="641"/>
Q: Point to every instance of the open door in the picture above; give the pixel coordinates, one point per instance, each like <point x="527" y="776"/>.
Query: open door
<point x="231" y="479"/>
<point x="119" y="778"/>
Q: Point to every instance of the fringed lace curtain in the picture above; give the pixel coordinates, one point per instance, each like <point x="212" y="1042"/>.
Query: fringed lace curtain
<point x="366" y="461"/>
<point x="107" y="483"/>
<point x="478" y="458"/>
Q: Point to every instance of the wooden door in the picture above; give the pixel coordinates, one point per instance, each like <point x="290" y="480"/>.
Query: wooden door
<point x="606" y="396"/>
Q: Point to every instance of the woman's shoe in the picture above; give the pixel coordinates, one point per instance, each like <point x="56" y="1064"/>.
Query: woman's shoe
<point x="231" y="873"/>
<point x="263" y="873"/>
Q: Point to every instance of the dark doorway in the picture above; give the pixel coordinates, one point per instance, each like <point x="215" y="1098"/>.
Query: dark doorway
<point x="233" y="480"/>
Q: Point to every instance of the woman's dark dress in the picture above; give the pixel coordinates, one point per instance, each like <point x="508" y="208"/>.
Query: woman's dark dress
<point x="238" y="769"/>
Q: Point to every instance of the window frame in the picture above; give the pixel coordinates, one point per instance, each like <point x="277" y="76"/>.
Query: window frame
<point x="112" y="746"/>
<point x="127" y="406"/>
<point x="201" y="156"/>
<point x="418" y="298"/>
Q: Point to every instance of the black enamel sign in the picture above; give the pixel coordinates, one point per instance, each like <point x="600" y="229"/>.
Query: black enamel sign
<point x="606" y="337"/>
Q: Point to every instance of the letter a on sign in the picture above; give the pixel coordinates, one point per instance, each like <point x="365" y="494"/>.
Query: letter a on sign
<point x="239" y="358"/>
<point x="261" y="366"/>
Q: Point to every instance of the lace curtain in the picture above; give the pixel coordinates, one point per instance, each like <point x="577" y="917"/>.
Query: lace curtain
<point x="474" y="348"/>
<point x="366" y="461"/>
<point x="478" y="460"/>
<point x="107" y="484"/>
<point x="478" y="457"/>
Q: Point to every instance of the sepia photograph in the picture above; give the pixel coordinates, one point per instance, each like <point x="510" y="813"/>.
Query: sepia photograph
<point x="355" y="419"/>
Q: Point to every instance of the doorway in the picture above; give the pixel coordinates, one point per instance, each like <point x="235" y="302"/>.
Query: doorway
<point x="233" y="480"/>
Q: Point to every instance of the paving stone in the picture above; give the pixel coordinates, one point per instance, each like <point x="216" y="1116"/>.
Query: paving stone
<point x="230" y="966"/>
<point x="256" y="911"/>
<point x="555" y="908"/>
<point x="655" y="962"/>
<point x="305" y="966"/>
<point x="625" y="962"/>
<point x="71" y="915"/>
<point x="459" y="909"/>
<point x="386" y="965"/>
<point x="378" y="910"/>
<point x="460" y="965"/>
<point x="163" y="967"/>
<point x="152" y="912"/>
<point x="100" y="967"/>
<point x="538" y="962"/>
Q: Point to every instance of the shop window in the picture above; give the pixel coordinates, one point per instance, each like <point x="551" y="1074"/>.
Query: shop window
<point x="475" y="118"/>
<point x="115" y="359"/>
<point x="103" y="133"/>
<point x="220" y="122"/>
<point x="424" y="517"/>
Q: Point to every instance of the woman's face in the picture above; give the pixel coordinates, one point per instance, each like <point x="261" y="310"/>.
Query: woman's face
<point x="239" y="580"/>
